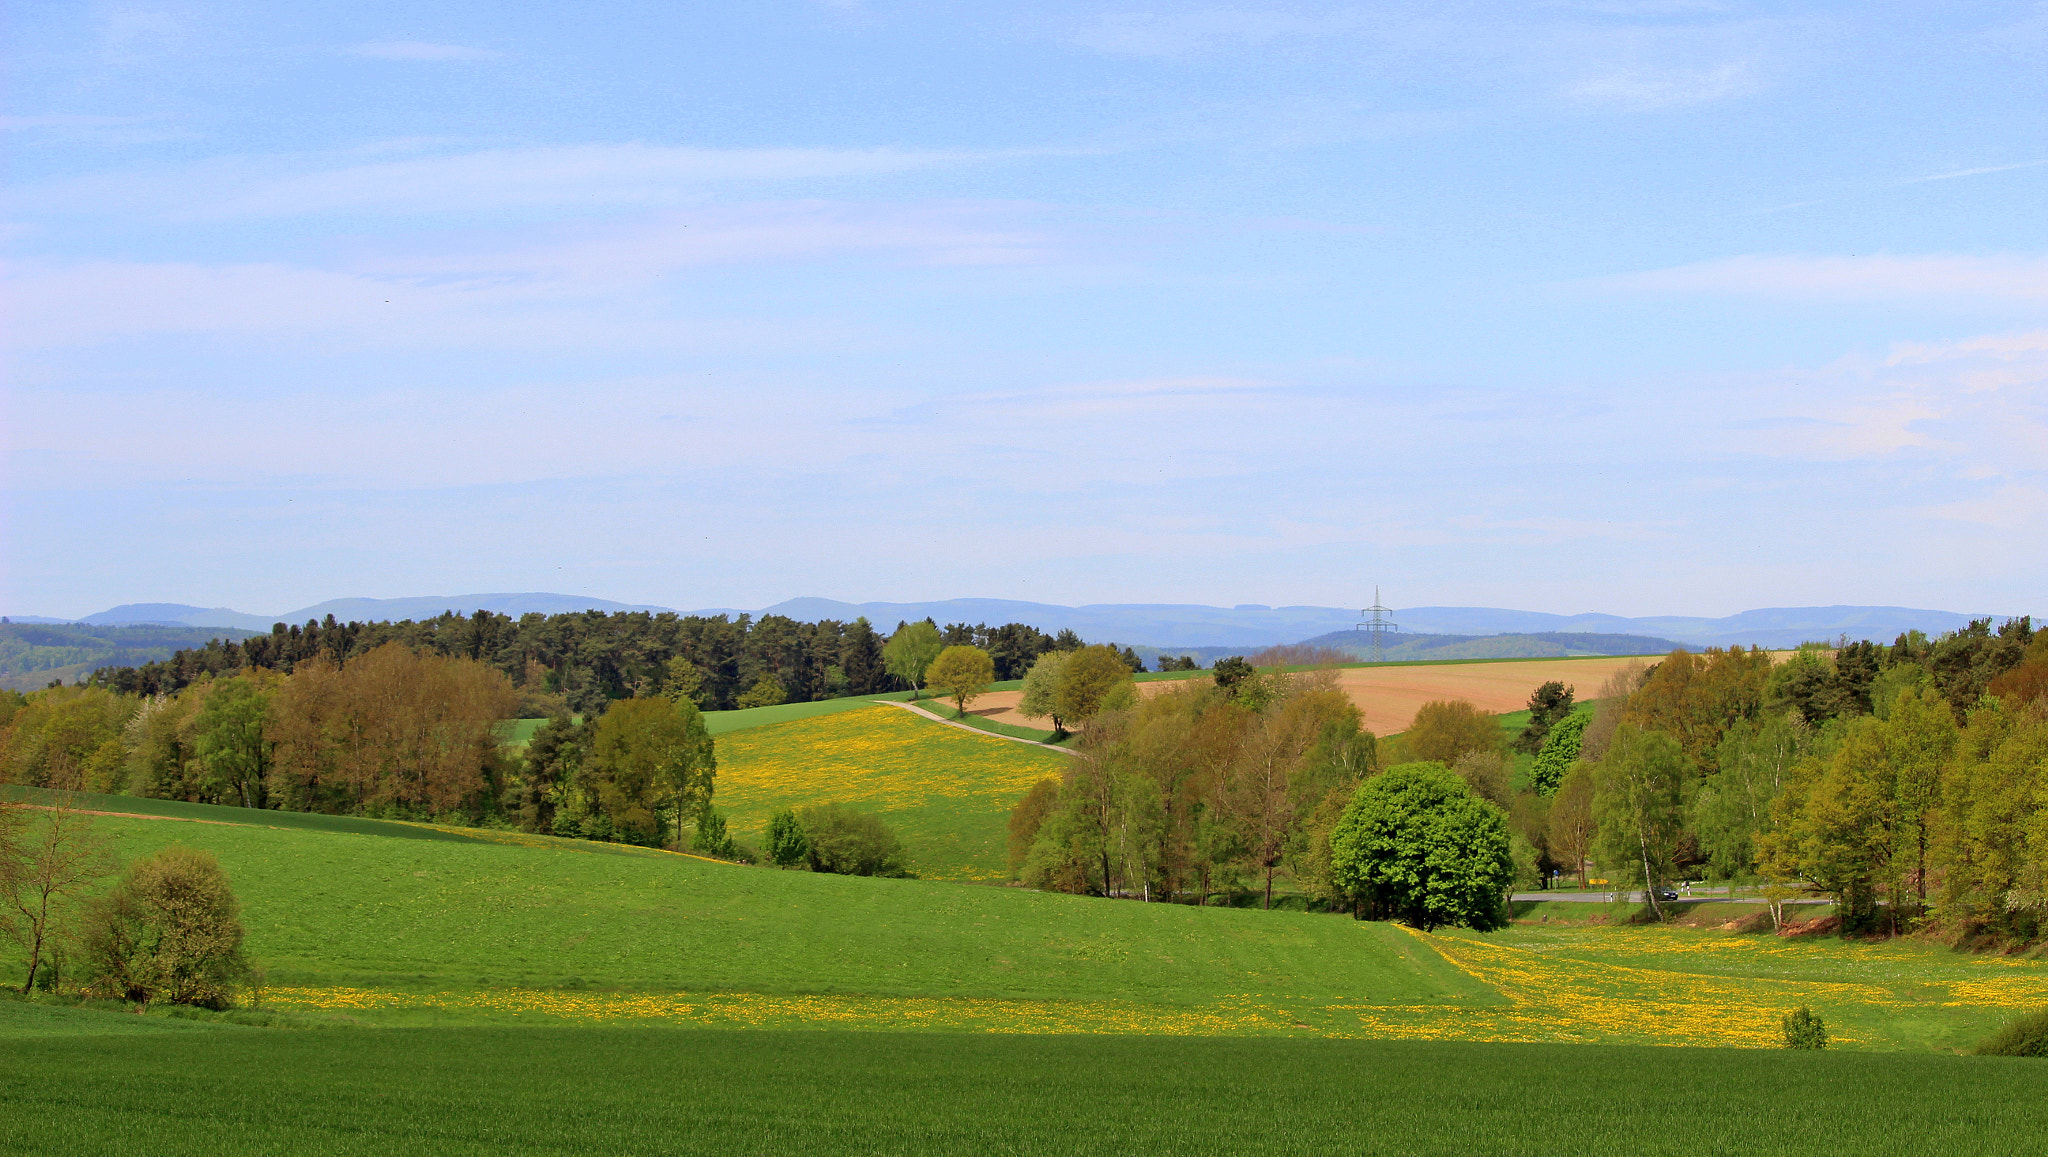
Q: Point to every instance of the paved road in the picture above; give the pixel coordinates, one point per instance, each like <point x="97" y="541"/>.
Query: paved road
<point x="1697" y="895"/>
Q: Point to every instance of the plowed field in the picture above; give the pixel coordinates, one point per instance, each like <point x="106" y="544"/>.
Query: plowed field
<point x="1390" y="696"/>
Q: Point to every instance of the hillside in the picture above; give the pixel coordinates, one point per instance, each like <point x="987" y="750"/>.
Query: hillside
<point x="466" y="926"/>
<point x="946" y="792"/>
<point x="32" y="654"/>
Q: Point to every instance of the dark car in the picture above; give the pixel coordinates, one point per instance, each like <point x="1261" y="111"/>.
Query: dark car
<point x="1666" y="894"/>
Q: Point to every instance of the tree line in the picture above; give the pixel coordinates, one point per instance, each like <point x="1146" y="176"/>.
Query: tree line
<point x="1907" y="782"/>
<point x="578" y="662"/>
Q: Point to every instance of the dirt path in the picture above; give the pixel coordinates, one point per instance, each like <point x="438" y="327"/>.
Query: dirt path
<point x="44" y="807"/>
<point x="916" y="710"/>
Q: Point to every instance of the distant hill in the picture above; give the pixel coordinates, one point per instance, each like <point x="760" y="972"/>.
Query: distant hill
<point x="1177" y="627"/>
<point x="33" y="654"/>
<point x="360" y="610"/>
<point x="1166" y="626"/>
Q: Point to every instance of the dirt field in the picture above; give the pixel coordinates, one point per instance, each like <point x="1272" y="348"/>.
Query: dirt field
<point x="1390" y="696"/>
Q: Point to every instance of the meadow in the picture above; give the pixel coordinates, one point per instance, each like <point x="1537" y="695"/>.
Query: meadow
<point x="228" y="1090"/>
<point x="946" y="792"/>
<point x="479" y="927"/>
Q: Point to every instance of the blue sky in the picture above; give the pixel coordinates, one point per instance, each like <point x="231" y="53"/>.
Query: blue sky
<point x="1630" y="307"/>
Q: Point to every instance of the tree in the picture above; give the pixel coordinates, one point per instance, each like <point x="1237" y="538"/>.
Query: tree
<point x="1086" y="679"/>
<point x="963" y="672"/>
<point x="170" y="930"/>
<point x="1547" y="705"/>
<point x="1639" y="801"/>
<point x="647" y="756"/>
<point x="911" y="650"/>
<point x="767" y="691"/>
<point x="1418" y="844"/>
<point x="1041" y="689"/>
<point x="1443" y="730"/>
<point x="1561" y="747"/>
<point x="44" y="867"/>
<point x="788" y="846"/>
<point x="1027" y="817"/>
<point x="1232" y="671"/>
<point x="230" y="742"/>
<point x="1731" y="809"/>
<point x="1571" y="826"/>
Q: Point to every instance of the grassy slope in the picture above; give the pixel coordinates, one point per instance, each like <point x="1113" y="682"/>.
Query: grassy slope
<point x="338" y="909"/>
<point x="401" y="1092"/>
<point x="947" y="792"/>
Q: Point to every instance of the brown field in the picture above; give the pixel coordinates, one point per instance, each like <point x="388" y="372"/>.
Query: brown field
<point x="1390" y="696"/>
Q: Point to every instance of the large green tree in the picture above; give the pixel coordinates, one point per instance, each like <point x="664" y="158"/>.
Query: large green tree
<point x="648" y="759"/>
<point x="1042" y="689"/>
<point x="1417" y="844"/>
<point x="911" y="649"/>
<point x="1548" y="704"/>
<point x="1086" y="679"/>
<point x="963" y="672"/>
<point x="1639" y="802"/>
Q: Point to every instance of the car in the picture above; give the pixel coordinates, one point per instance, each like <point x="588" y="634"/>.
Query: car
<point x="1666" y="894"/>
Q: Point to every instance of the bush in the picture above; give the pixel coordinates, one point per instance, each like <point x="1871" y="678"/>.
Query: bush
<point x="171" y="930"/>
<point x="851" y="843"/>
<point x="1805" y="1030"/>
<point x="788" y="846"/>
<point x="712" y="839"/>
<point x="2025" y="1037"/>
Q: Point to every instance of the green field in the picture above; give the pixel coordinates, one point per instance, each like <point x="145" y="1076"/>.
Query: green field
<point x="496" y="1091"/>
<point x="947" y="792"/>
<point x="477" y="991"/>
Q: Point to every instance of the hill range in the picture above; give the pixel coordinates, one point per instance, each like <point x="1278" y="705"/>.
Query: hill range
<point x="1178" y="628"/>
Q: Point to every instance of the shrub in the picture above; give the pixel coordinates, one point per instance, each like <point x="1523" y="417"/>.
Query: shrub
<point x="712" y="839"/>
<point x="171" y="930"/>
<point x="787" y="843"/>
<point x="1805" y="1030"/>
<point x="851" y="843"/>
<point x="2025" y="1037"/>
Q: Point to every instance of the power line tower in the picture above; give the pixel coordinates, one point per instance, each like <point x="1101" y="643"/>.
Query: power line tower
<point x="1375" y="623"/>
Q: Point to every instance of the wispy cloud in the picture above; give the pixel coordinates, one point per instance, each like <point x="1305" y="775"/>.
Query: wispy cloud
<point x="587" y="176"/>
<point x="1858" y="278"/>
<point x="421" y="50"/>
<point x="1978" y="172"/>
<point x="64" y="121"/>
<point x="1648" y="88"/>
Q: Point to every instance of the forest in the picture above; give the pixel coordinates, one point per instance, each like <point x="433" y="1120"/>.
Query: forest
<point x="581" y="661"/>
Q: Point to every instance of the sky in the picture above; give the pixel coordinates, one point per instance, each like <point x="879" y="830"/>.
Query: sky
<point x="1642" y="308"/>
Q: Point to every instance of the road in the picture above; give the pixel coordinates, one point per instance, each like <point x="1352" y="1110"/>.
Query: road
<point x="1695" y="896"/>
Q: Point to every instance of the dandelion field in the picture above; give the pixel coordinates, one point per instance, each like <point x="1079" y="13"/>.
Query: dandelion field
<point x="946" y="792"/>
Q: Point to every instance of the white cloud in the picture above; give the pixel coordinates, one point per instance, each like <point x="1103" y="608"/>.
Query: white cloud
<point x="420" y="50"/>
<point x="1648" y="88"/>
<point x="561" y="289"/>
<point x="2009" y="277"/>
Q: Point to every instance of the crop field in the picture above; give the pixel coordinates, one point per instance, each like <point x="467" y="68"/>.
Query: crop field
<point x="1390" y="695"/>
<point x="404" y="1092"/>
<point x="947" y="792"/>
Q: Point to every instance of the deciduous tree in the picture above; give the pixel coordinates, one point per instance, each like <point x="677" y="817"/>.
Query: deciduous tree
<point x="963" y="673"/>
<point x="170" y="930"/>
<point x="911" y="650"/>
<point x="1422" y="847"/>
<point x="46" y="866"/>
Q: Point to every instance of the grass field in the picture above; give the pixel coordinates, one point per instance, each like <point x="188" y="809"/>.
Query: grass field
<point x="947" y="792"/>
<point x="403" y="1092"/>
<point x="498" y="928"/>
